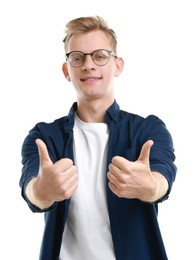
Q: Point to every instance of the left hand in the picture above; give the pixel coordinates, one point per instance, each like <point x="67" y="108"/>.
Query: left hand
<point x="132" y="180"/>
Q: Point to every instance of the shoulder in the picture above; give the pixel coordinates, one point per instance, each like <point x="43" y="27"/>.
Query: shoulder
<point x="141" y="120"/>
<point x="51" y="133"/>
<point x="49" y="128"/>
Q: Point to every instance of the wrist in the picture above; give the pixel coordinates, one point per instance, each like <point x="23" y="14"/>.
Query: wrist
<point x="34" y="196"/>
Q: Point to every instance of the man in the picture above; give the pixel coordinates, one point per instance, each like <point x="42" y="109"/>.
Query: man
<point x="99" y="172"/>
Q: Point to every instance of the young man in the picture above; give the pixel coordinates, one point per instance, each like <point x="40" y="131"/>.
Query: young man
<point x="99" y="172"/>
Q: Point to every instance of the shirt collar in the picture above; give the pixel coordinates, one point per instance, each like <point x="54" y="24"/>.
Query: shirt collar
<point x="112" y="114"/>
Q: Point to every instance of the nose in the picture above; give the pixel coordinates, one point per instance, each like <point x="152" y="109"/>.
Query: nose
<point x="88" y="63"/>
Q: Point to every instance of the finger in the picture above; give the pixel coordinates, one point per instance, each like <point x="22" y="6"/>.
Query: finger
<point x="111" y="177"/>
<point x="113" y="188"/>
<point x="120" y="162"/>
<point x="114" y="169"/>
<point x="145" y="152"/>
<point x="43" y="152"/>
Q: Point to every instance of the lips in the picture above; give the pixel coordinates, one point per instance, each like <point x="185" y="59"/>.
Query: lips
<point x="90" y="79"/>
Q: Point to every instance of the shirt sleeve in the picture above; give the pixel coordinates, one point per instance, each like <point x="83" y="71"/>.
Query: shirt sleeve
<point x="162" y="154"/>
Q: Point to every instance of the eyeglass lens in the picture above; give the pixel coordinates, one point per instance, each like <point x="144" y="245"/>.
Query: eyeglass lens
<point x="100" y="57"/>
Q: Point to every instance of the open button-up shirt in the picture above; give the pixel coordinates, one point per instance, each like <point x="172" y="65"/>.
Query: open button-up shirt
<point x="134" y="226"/>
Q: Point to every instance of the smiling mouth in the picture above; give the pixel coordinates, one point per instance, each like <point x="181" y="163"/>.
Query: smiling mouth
<point x="90" y="79"/>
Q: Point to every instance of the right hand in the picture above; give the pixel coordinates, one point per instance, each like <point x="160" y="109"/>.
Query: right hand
<point x="55" y="182"/>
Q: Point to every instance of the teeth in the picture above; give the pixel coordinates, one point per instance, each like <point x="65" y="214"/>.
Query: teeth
<point x="91" y="79"/>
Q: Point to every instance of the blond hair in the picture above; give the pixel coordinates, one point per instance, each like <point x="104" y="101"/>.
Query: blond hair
<point x="88" y="24"/>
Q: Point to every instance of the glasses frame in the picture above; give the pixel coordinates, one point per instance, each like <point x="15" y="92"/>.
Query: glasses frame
<point x="91" y="54"/>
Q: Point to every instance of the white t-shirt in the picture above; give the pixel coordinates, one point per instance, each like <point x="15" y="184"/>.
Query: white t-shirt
<point x="87" y="233"/>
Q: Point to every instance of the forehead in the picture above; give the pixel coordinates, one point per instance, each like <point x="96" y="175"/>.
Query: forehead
<point x="88" y="42"/>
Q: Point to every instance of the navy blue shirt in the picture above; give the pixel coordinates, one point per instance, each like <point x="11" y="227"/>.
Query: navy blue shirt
<point x="134" y="226"/>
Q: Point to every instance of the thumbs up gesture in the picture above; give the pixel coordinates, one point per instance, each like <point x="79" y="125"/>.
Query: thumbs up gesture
<point x="54" y="182"/>
<point x="132" y="180"/>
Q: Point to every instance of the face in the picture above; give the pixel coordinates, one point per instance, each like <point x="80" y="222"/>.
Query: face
<point x="90" y="80"/>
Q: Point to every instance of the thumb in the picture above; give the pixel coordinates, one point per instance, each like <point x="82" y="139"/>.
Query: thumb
<point x="43" y="153"/>
<point x="145" y="152"/>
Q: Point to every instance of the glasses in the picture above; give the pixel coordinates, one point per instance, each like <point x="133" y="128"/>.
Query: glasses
<point x="100" y="57"/>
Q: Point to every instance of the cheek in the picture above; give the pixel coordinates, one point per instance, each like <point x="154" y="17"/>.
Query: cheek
<point x="110" y="72"/>
<point x="74" y="79"/>
<point x="72" y="75"/>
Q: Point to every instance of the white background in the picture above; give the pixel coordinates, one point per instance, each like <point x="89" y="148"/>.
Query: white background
<point x="157" y="40"/>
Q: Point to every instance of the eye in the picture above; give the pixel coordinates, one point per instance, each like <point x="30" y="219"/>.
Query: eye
<point x="76" y="59"/>
<point x="100" y="56"/>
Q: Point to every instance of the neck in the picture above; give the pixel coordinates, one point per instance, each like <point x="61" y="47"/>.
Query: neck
<point x="93" y="111"/>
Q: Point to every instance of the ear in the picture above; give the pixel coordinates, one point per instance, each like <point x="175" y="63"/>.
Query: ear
<point x="65" y="71"/>
<point x="119" y="66"/>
